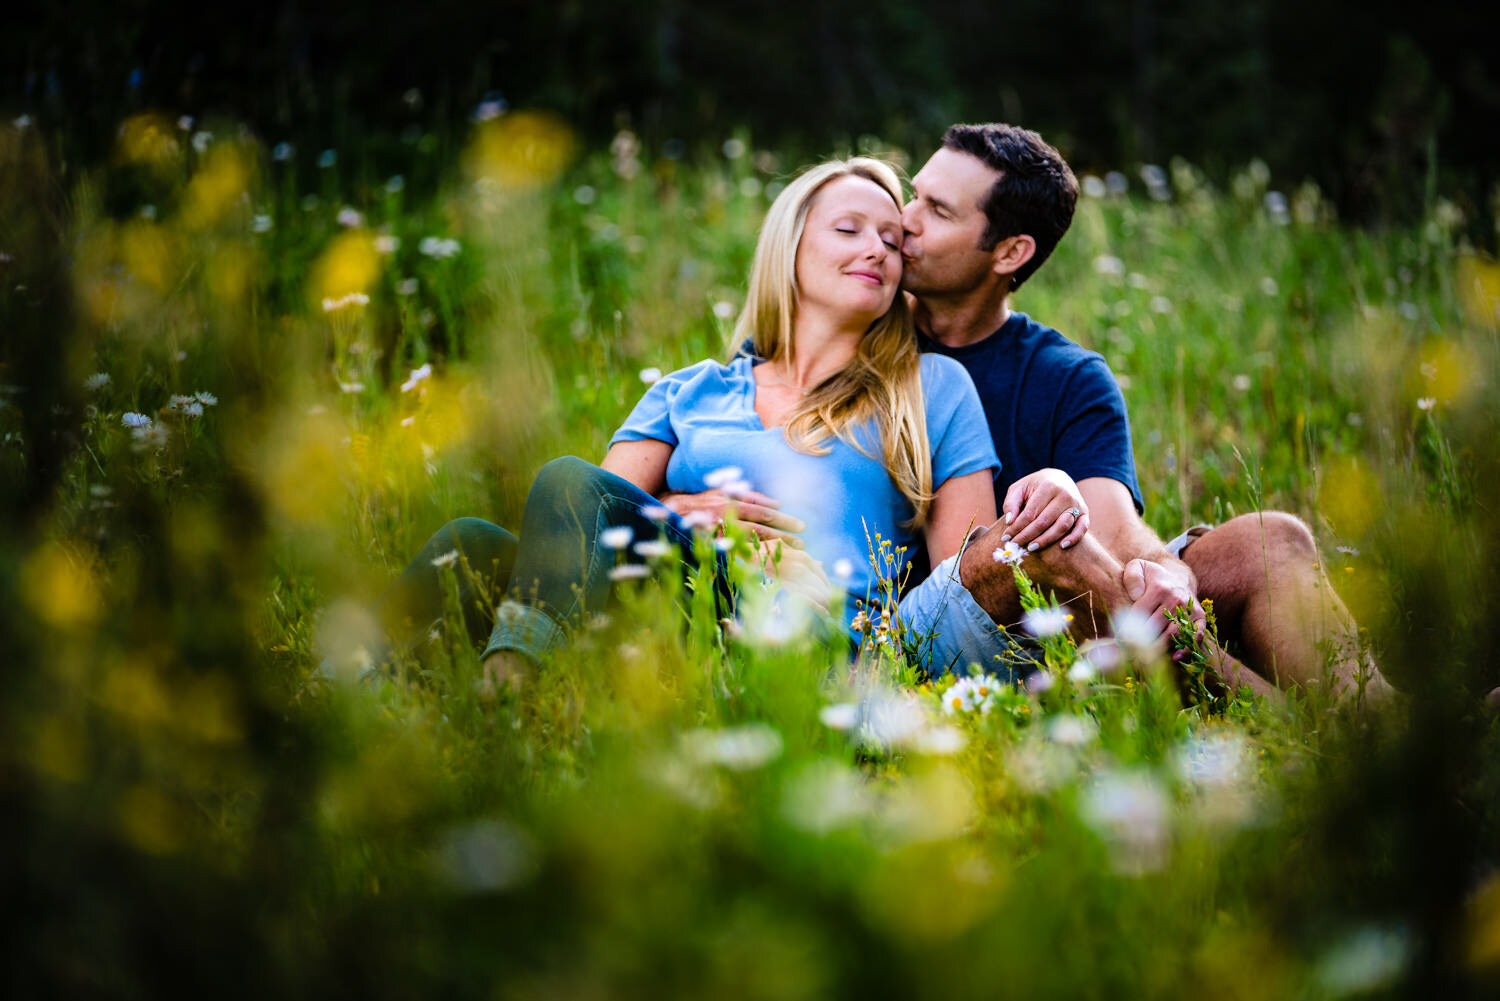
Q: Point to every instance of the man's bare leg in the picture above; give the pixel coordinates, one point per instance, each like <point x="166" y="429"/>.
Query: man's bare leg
<point x="1261" y="571"/>
<point x="1086" y="577"/>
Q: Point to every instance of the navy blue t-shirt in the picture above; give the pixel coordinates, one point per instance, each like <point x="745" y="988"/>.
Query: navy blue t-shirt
<point x="1049" y="403"/>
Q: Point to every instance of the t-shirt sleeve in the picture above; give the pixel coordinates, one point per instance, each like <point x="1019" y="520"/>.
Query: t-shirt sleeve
<point x="1092" y="429"/>
<point x="956" y="427"/>
<point x="652" y="416"/>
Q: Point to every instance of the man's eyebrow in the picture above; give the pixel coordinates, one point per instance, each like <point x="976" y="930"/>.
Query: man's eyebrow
<point x="935" y="202"/>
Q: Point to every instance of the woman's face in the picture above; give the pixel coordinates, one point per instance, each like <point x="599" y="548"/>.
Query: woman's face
<point x="849" y="257"/>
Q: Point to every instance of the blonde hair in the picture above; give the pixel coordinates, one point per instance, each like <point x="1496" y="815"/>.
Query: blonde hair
<point x="883" y="379"/>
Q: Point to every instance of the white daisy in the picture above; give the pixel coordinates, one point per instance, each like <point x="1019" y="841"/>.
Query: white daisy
<point x="617" y="537"/>
<point x="1047" y="621"/>
<point x="1010" y="553"/>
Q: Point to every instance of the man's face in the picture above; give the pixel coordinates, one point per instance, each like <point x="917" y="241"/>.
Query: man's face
<point x="944" y="224"/>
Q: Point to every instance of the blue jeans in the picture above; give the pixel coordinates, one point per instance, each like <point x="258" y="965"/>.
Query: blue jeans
<point x="549" y="576"/>
<point x="943" y="613"/>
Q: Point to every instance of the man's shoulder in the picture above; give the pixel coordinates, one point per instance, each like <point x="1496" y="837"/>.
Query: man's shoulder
<point x="1019" y="337"/>
<point x="1058" y="348"/>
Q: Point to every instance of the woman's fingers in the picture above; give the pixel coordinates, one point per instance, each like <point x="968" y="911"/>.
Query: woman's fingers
<point x="758" y="498"/>
<point x="1052" y="526"/>
<point x="1037" y="518"/>
<point x="1078" y="531"/>
<point x="754" y="514"/>
<point x="1035" y="502"/>
<point x="1060" y="520"/>
<point x="768" y="534"/>
<point x="1015" y="500"/>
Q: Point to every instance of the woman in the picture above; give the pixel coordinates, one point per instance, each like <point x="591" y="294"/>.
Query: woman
<point x="837" y="416"/>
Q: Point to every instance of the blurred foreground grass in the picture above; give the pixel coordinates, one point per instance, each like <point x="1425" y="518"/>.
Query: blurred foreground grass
<point x="235" y="402"/>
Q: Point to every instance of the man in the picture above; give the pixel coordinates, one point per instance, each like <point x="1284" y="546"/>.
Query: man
<point x="988" y="209"/>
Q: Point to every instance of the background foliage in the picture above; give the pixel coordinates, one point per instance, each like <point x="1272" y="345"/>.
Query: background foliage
<point x="1372" y="101"/>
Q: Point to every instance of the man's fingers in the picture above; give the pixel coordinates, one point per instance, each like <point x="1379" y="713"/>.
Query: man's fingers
<point x="1161" y="624"/>
<point x="1154" y="612"/>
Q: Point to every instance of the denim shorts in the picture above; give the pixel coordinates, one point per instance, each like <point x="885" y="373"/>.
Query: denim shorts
<point x="951" y="631"/>
<point x="1177" y="545"/>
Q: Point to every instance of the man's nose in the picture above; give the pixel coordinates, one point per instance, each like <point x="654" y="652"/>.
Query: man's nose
<point x="909" y="218"/>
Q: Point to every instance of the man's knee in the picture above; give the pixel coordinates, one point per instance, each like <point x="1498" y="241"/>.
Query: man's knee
<point x="1273" y="536"/>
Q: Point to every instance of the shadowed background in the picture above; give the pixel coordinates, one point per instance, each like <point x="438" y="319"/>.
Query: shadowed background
<point x="1372" y="101"/>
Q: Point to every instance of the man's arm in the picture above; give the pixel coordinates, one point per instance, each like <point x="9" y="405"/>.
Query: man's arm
<point x="1155" y="580"/>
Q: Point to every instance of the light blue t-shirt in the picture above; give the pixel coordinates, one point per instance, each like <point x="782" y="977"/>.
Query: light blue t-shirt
<point x="707" y="412"/>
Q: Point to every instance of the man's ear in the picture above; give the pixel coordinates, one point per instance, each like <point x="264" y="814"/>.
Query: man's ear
<point x="1011" y="254"/>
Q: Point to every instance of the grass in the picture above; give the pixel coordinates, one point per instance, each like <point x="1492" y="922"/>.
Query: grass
<point x="670" y="811"/>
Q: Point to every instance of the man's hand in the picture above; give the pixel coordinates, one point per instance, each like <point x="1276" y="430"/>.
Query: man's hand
<point x="1155" y="589"/>
<point x="1042" y="508"/>
<point x="754" y="510"/>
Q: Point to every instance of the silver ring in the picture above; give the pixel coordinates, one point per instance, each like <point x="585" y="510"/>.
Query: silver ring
<point x="1074" y="512"/>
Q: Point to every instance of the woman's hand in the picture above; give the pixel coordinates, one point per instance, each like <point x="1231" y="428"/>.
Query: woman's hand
<point x="796" y="572"/>
<point x="1042" y="508"/>
<point x="754" y="511"/>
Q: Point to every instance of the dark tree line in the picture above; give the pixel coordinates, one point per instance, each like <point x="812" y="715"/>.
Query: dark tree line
<point x="1364" y="98"/>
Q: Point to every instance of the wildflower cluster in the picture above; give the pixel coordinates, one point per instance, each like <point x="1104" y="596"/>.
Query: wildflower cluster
<point x="978" y="694"/>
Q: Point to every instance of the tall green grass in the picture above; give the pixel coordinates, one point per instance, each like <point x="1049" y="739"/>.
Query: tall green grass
<point x="672" y="809"/>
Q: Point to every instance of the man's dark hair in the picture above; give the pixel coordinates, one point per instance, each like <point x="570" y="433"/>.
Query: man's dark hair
<point x="1034" y="195"/>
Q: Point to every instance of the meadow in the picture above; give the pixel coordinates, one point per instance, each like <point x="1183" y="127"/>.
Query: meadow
<point x="245" y="381"/>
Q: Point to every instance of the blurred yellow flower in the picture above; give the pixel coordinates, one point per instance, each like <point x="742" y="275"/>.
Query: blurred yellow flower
<point x="349" y="266"/>
<point x="1445" y="374"/>
<point x="1349" y="497"/>
<point x="224" y="176"/>
<point x="148" y="140"/>
<point x="522" y="149"/>
<point x="147" y="250"/>
<point x="1479" y="290"/>
<point x="134" y="690"/>
<point x="229" y="274"/>
<point x="60" y="588"/>
<point x="1484" y="927"/>
<point x="301" y="469"/>
<point x="150" y="821"/>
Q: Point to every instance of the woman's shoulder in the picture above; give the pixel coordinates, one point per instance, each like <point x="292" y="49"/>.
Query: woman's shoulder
<point x="705" y="377"/>
<point x="710" y="368"/>
<point x="941" y="373"/>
